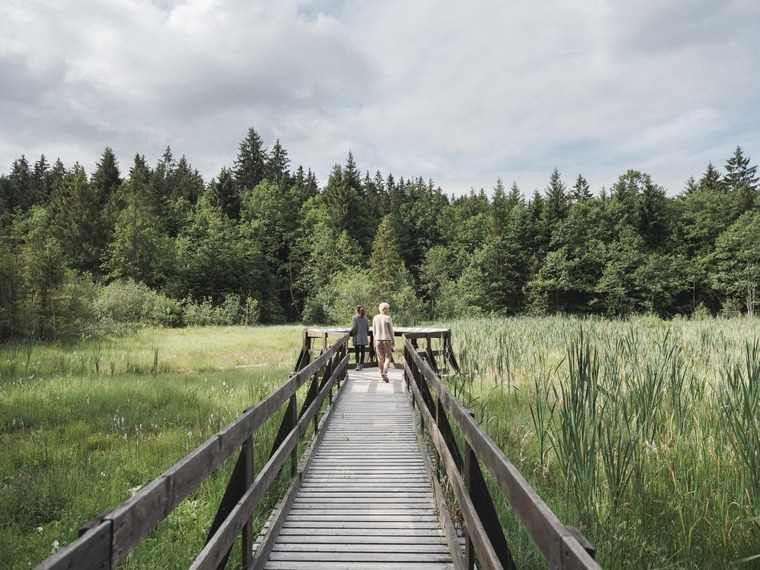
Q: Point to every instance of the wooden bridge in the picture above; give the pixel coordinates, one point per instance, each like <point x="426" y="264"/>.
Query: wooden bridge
<point x="386" y="465"/>
<point x="365" y="500"/>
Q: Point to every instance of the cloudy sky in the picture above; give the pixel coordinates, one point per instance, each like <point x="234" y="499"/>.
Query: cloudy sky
<point x="462" y="93"/>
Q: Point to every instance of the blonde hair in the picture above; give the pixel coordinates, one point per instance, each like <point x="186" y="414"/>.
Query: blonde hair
<point x="384" y="307"/>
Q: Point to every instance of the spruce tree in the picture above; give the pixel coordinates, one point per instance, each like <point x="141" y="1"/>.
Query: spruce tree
<point x="741" y="181"/>
<point x="277" y="167"/>
<point x="107" y="178"/>
<point x="580" y="191"/>
<point x="76" y="220"/>
<point x="250" y="164"/>
<point x="386" y="263"/>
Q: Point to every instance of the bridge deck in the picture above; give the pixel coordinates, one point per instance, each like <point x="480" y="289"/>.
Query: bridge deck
<point x="365" y="500"/>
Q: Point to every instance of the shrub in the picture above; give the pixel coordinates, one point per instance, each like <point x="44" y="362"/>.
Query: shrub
<point x="130" y="304"/>
<point x="230" y="312"/>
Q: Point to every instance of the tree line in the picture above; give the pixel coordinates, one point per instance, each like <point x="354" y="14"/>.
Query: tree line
<point x="261" y="242"/>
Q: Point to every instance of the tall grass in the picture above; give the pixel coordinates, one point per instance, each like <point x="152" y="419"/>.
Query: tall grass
<point x="84" y="426"/>
<point x="645" y="434"/>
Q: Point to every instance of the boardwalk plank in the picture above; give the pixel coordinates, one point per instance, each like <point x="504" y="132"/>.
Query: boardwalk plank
<point x="365" y="500"/>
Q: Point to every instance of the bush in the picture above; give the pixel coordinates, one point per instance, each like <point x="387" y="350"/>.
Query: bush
<point x="230" y="312"/>
<point x="131" y="304"/>
<point x="76" y="305"/>
<point x="334" y="303"/>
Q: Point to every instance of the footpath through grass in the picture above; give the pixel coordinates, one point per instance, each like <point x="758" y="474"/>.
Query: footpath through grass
<point x="84" y="426"/>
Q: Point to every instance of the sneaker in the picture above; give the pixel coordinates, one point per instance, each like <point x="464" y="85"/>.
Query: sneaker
<point x="385" y="378"/>
<point x="358" y="367"/>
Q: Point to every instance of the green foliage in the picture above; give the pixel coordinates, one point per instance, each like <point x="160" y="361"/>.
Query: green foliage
<point x="641" y="432"/>
<point x="128" y="304"/>
<point x="737" y="261"/>
<point x="334" y="303"/>
<point x="206" y="313"/>
<point x="273" y="240"/>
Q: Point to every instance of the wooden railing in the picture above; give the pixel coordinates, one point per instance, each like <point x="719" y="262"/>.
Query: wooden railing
<point x="108" y="539"/>
<point x="561" y="547"/>
<point x="437" y="349"/>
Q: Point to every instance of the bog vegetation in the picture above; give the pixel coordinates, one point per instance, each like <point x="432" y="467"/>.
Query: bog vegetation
<point x="644" y="433"/>
<point x="84" y="426"/>
<point x="261" y="242"/>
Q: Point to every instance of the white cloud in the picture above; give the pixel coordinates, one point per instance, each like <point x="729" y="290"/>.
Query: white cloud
<point x="460" y="93"/>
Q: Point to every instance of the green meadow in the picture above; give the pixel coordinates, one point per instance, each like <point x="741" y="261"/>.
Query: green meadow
<point x="84" y="426"/>
<point x="645" y="434"/>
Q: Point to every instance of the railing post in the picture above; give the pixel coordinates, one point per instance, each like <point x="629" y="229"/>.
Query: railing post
<point x="469" y="457"/>
<point x="293" y="421"/>
<point x="440" y="417"/>
<point x="429" y="353"/>
<point x="247" y="535"/>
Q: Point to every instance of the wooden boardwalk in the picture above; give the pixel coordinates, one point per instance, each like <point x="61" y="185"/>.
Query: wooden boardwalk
<point x="365" y="500"/>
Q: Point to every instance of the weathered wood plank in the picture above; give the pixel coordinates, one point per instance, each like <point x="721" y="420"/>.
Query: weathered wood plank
<point x="364" y="548"/>
<point x="339" y="525"/>
<point x="92" y="550"/>
<point x="365" y="500"/>
<point x="351" y="536"/>
<point x="363" y="565"/>
<point x="361" y="556"/>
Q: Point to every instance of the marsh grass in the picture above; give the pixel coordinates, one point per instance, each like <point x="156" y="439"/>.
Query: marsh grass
<point x="644" y="434"/>
<point x="79" y="438"/>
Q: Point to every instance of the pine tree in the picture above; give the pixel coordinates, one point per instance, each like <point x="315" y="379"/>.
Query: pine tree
<point x="277" y="166"/>
<point x="654" y="215"/>
<point x="304" y="186"/>
<point x="140" y="249"/>
<point x="224" y="195"/>
<point x="741" y="181"/>
<point x="76" y="220"/>
<point x="41" y="185"/>
<point x="346" y="205"/>
<point x="19" y="186"/>
<point x="386" y="263"/>
<point x="515" y="196"/>
<point x="250" y="165"/>
<point x="557" y="202"/>
<point x="580" y="191"/>
<point x="711" y="180"/>
<point x="107" y="178"/>
<point x="739" y="175"/>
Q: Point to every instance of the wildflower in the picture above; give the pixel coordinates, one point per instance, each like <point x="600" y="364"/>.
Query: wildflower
<point x="56" y="546"/>
<point x="39" y="529"/>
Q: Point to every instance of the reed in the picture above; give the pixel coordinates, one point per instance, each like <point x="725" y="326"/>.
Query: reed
<point x="643" y="433"/>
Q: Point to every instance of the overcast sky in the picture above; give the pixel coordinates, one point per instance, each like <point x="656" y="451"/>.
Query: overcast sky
<point x="462" y="93"/>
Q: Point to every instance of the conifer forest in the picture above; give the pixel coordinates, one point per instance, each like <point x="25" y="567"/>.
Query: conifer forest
<point x="266" y="242"/>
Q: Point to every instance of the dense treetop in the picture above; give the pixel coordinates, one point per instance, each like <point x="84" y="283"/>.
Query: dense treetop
<point x="263" y="243"/>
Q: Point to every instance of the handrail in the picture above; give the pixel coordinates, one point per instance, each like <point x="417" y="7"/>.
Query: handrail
<point x="561" y="546"/>
<point x="109" y="538"/>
